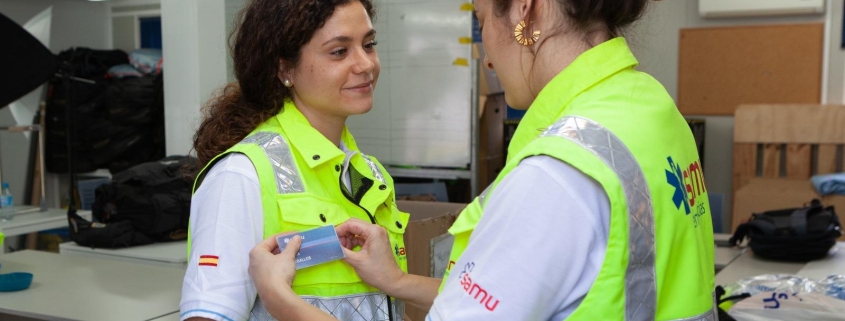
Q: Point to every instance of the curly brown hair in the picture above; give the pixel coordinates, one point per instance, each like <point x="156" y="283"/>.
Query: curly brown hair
<point x="268" y="31"/>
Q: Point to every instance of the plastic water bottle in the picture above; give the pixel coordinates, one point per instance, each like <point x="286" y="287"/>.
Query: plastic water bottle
<point x="6" y="200"/>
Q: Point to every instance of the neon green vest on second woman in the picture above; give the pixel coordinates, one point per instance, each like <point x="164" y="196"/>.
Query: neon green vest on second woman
<point x="621" y="128"/>
<point x="299" y="174"/>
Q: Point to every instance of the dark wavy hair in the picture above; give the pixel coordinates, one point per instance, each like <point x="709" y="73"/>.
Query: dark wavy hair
<point x="267" y="31"/>
<point x="614" y="14"/>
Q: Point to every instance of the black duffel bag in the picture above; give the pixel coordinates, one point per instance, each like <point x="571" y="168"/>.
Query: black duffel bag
<point x="147" y="203"/>
<point x="794" y="235"/>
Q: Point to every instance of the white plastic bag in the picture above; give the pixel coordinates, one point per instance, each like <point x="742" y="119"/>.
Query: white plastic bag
<point x="769" y="306"/>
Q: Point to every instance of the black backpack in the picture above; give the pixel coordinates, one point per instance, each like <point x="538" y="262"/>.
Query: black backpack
<point x="117" y="123"/>
<point x="146" y="203"/>
<point x="92" y="63"/>
<point x="86" y="107"/>
<point x="795" y="234"/>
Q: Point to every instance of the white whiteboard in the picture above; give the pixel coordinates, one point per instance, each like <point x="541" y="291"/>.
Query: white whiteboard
<point x="422" y="110"/>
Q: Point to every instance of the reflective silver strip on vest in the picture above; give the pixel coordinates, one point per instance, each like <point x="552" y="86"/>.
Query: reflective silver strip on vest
<point x="640" y="286"/>
<point x="361" y="307"/>
<point x="373" y="167"/>
<point x="278" y="153"/>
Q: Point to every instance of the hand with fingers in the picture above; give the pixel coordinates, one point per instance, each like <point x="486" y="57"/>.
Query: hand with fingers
<point x="267" y="269"/>
<point x="374" y="262"/>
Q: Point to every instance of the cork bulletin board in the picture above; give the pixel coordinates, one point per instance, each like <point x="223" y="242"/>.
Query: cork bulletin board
<point x="721" y="68"/>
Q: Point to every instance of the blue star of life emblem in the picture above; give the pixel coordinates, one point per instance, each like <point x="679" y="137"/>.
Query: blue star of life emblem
<point x="676" y="179"/>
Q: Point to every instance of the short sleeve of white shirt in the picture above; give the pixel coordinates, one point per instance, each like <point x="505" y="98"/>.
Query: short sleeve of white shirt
<point x="536" y="250"/>
<point x="226" y="222"/>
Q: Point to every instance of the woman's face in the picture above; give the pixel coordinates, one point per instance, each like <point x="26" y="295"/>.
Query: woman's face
<point x="339" y="67"/>
<point x="511" y="61"/>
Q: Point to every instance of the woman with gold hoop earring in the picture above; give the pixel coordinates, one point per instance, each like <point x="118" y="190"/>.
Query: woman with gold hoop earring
<point x="600" y="212"/>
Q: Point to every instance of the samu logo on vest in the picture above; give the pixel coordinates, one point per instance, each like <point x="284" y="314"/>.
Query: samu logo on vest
<point x="689" y="186"/>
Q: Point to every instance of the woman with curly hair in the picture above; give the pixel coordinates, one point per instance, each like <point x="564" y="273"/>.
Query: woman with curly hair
<point x="276" y="156"/>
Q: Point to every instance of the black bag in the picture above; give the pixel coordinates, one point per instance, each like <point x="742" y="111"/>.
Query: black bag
<point x="87" y="113"/>
<point x="92" y="63"/>
<point x="84" y="101"/>
<point x="795" y="234"/>
<point x="147" y="203"/>
<point x="135" y="126"/>
<point x="117" y="123"/>
<point x="99" y="235"/>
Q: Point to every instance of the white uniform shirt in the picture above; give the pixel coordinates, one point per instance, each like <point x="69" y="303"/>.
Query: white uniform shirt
<point x="536" y="250"/>
<point x="227" y="221"/>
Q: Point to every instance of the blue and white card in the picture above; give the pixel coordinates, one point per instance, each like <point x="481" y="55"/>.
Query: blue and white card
<point x="319" y="245"/>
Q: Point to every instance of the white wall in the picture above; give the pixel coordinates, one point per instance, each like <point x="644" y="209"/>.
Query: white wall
<point x="75" y="23"/>
<point x="233" y="7"/>
<point x="835" y="89"/>
<point x="194" y="33"/>
<point x="654" y="40"/>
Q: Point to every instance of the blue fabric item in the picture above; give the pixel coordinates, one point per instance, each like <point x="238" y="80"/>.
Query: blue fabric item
<point x="148" y="61"/>
<point x="124" y="70"/>
<point x="829" y="183"/>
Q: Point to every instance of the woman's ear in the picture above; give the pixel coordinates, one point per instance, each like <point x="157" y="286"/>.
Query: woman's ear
<point x="523" y="9"/>
<point x="283" y="73"/>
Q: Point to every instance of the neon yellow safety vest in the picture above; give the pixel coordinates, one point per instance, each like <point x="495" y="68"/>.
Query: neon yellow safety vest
<point x="621" y="128"/>
<point x="299" y="172"/>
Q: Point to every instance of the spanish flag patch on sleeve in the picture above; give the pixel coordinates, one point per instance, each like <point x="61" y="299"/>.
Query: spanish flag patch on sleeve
<point x="209" y="260"/>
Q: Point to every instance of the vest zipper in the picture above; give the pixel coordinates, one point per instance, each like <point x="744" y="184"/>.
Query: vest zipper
<point x="372" y="220"/>
<point x="344" y="172"/>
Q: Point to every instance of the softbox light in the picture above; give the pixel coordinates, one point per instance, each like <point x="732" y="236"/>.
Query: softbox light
<point x="27" y="63"/>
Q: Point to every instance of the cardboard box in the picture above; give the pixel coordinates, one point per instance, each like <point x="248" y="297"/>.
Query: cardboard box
<point x="429" y="220"/>
<point x="764" y="194"/>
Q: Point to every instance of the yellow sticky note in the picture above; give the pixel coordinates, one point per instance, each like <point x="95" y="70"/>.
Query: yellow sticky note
<point x="461" y="62"/>
<point x="467" y="7"/>
<point x="465" y="40"/>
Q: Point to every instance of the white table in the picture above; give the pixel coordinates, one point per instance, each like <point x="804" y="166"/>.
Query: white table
<point x="724" y="253"/>
<point x="79" y="288"/>
<point x="835" y="264"/>
<point x="748" y="265"/>
<point x="35" y="221"/>
<point x="721" y="239"/>
<point x="172" y="254"/>
<point x="724" y="256"/>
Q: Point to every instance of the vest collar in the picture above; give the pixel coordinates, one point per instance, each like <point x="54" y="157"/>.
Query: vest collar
<point x="315" y="148"/>
<point x="588" y="69"/>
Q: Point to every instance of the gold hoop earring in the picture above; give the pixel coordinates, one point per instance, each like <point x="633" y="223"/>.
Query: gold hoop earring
<point x="519" y="34"/>
<point x="287" y="83"/>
